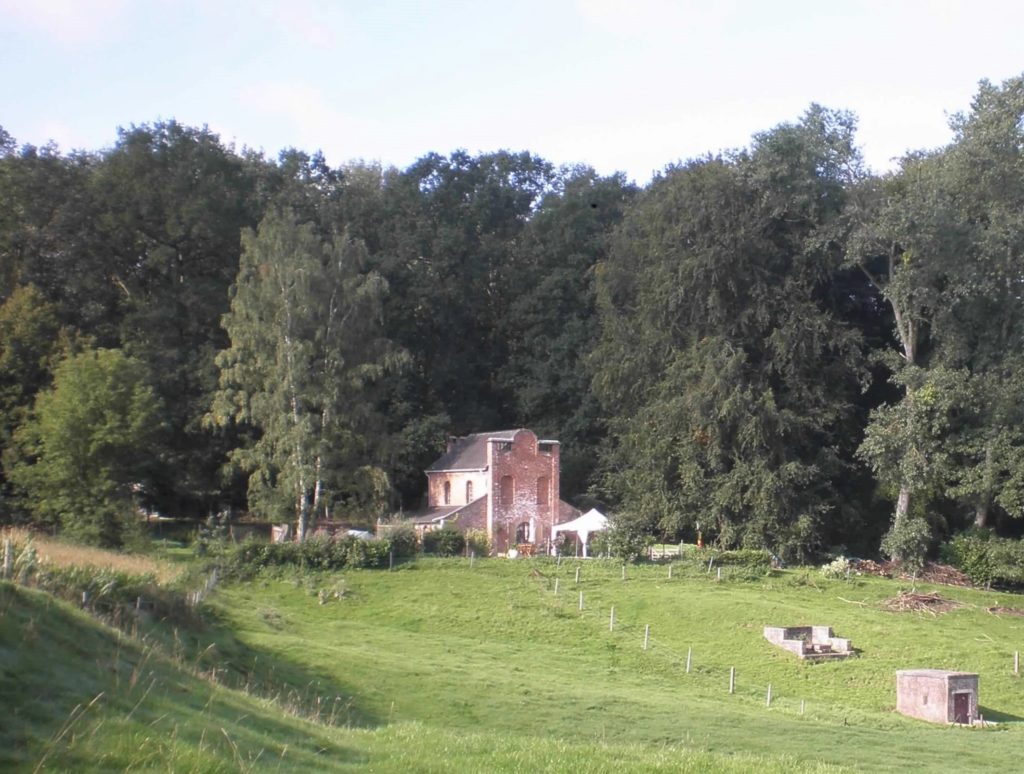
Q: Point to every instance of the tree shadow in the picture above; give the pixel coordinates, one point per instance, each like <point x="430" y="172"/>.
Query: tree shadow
<point x="299" y="689"/>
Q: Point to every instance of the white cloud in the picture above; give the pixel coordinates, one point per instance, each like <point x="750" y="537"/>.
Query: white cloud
<point x="66" y="21"/>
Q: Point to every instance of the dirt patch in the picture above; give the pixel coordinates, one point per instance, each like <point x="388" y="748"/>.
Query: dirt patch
<point x="932" y="572"/>
<point x="998" y="610"/>
<point x="909" y="602"/>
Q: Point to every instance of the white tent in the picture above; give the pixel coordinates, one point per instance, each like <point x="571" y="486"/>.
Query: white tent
<point x="591" y="521"/>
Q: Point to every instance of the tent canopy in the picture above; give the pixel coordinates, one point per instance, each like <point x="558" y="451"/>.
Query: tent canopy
<point x="591" y="521"/>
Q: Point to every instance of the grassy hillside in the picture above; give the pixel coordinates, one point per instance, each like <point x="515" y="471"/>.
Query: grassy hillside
<point x="494" y="648"/>
<point x="445" y="666"/>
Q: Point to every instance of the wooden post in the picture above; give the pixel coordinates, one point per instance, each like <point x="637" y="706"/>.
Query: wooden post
<point x="138" y="604"/>
<point x="670" y="572"/>
<point x="732" y="679"/>
<point x="577" y="574"/>
<point x="623" y="572"/>
<point x="719" y="574"/>
<point x="85" y="598"/>
<point x="647" y="635"/>
<point x="556" y="586"/>
<point x="472" y="558"/>
<point x="581" y="600"/>
<point x="8" y="559"/>
<point x="801" y="706"/>
<point x="768" y="702"/>
<point x="689" y="656"/>
<point x="711" y="561"/>
<point x="391" y="560"/>
<point x="611" y="620"/>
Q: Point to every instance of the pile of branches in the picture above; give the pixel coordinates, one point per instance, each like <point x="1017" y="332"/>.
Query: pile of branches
<point x="911" y="602"/>
<point x="931" y="573"/>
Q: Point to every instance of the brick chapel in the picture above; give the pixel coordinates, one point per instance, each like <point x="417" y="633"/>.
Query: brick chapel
<point x="505" y="483"/>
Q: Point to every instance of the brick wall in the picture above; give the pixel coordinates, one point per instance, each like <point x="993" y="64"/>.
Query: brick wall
<point x="522" y="466"/>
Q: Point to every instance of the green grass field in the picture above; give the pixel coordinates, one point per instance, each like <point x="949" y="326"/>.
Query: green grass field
<point x="442" y="666"/>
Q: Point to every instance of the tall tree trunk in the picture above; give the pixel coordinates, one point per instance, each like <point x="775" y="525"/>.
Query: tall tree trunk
<point x="984" y="502"/>
<point x="902" y="505"/>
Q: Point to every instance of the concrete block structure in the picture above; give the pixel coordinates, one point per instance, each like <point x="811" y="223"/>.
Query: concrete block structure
<point x="810" y="642"/>
<point x="505" y="483"/>
<point x="937" y="695"/>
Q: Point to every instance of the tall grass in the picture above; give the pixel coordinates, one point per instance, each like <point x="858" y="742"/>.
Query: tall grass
<point x="58" y="553"/>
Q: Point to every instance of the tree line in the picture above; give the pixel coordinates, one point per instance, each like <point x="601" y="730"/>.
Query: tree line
<point x="773" y="346"/>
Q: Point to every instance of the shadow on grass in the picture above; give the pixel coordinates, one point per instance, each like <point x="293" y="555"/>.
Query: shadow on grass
<point x="300" y="690"/>
<point x="121" y="696"/>
<point x="998" y="717"/>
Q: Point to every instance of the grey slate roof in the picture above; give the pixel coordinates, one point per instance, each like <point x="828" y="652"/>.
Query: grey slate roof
<point x="469" y="452"/>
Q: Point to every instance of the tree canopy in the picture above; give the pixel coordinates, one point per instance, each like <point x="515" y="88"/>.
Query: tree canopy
<point x="771" y="345"/>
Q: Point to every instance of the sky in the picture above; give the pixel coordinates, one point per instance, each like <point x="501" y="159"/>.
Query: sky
<point x="621" y="85"/>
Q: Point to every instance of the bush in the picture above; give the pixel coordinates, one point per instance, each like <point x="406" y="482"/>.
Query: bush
<point x="907" y="541"/>
<point x="446" y="541"/>
<point x="478" y="542"/>
<point x="837" y="568"/>
<point x="752" y="558"/>
<point x="402" y="538"/>
<point x="986" y="559"/>
<point x="626" y="541"/>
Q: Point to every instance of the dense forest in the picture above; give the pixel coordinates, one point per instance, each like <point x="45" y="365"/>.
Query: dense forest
<point x="774" y="346"/>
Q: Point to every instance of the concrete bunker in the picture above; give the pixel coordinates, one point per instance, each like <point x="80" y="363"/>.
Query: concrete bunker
<point x="937" y="695"/>
<point x="809" y="642"/>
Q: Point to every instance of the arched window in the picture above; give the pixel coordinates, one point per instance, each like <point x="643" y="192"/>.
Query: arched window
<point x="508" y="490"/>
<point x="447" y="492"/>
<point x="542" y="490"/>
<point x="469" y="491"/>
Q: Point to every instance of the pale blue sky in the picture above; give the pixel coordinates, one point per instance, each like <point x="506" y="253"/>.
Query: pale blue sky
<point x="625" y="85"/>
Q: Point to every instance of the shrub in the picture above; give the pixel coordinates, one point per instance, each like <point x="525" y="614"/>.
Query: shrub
<point x="402" y="538"/>
<point x="986" y="559"/>
<point x="752" y="558"/>
<point x="478" y="542"/>
<point x="837" y="568"/>
<point x="627" y="541"/>
<point x="907" y="541"/>
<point x="446" y="541"/>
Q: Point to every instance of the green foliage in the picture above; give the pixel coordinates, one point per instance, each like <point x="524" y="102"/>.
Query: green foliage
<point x="837" y="568"/>
<point x="626" y="539"/>
<point x="907" y="541"/>
<point x="402" y="538"/>
<point x="724" y="372"/>
<point x="307" y="349"/>
<point x="986" y="559"/>
<point x="446" y="541"/>
<point x="478" y="542"/>
<point x="84" y="450"/>
<point x="750" y="558"/>
<point x="316" y="554"/>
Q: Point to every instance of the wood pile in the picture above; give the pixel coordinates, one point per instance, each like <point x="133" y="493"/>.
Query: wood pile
<point x="911" y="602"/>
<point x="932" y="573"/>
